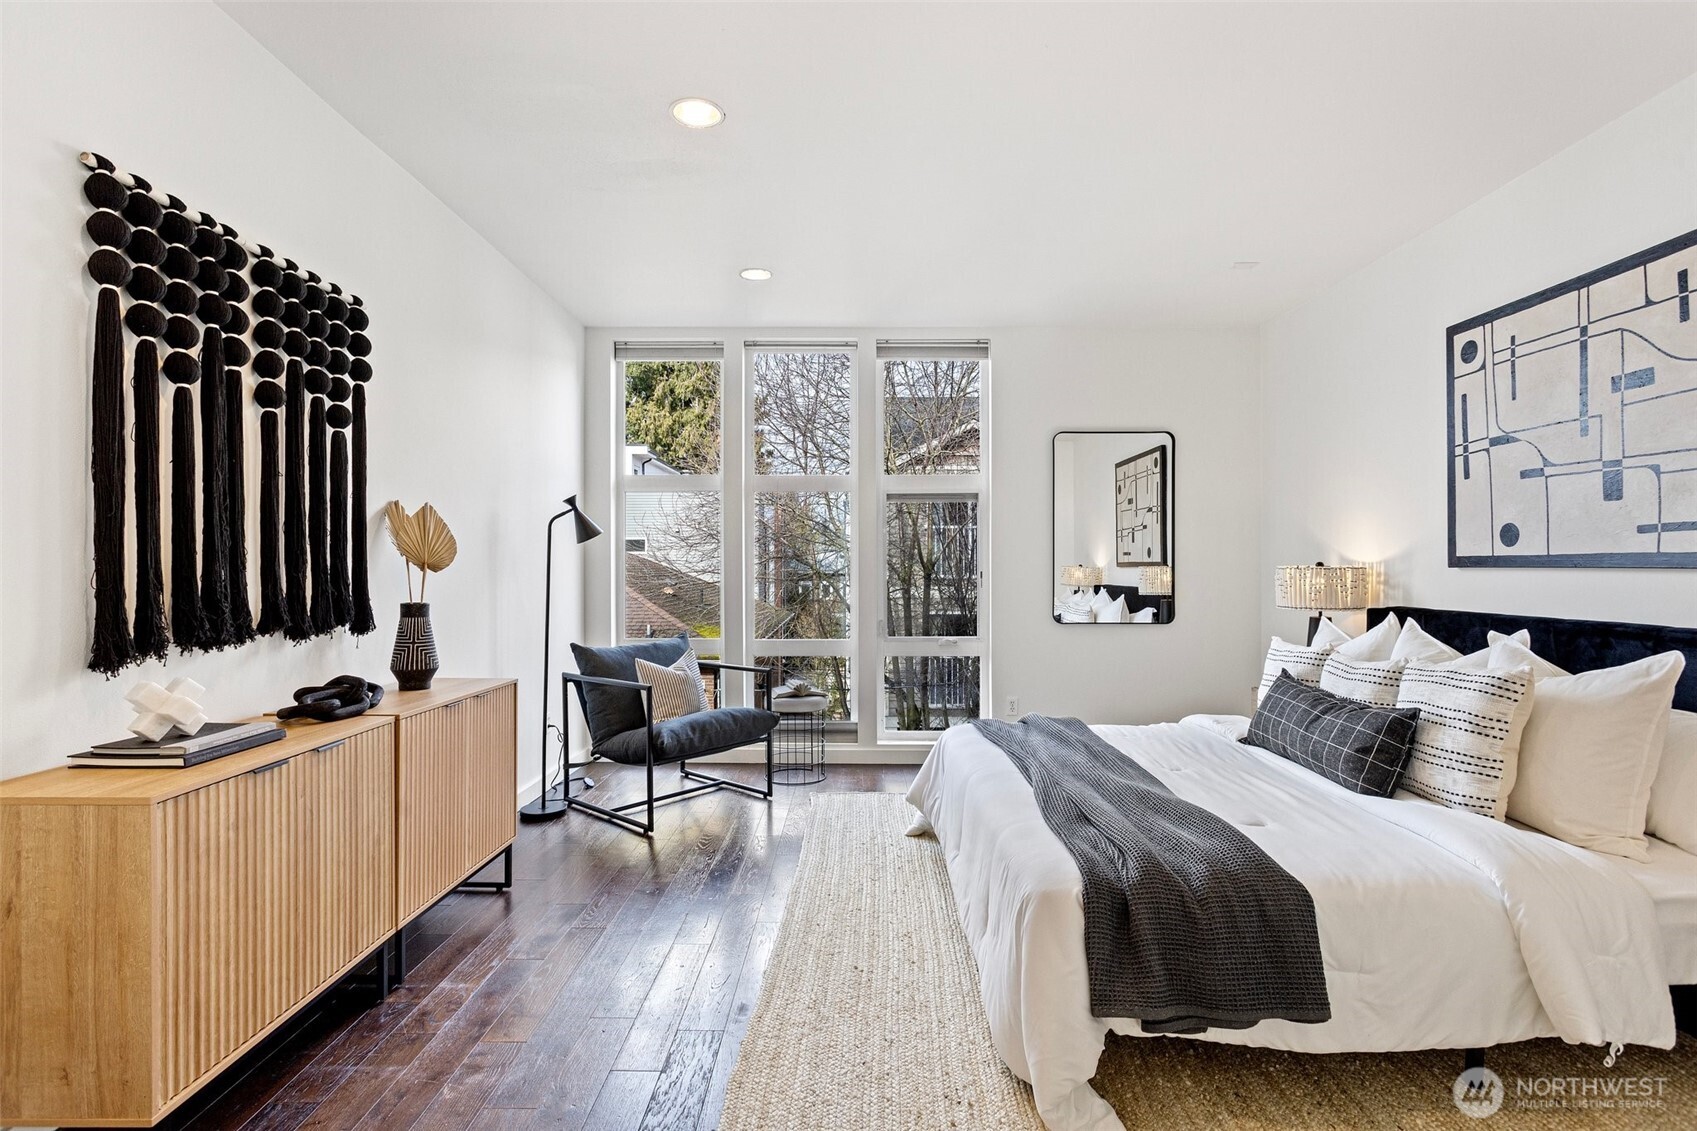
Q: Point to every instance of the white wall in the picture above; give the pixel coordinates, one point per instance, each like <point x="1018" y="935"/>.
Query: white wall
<point x="476" y="404"/>
<point x="1198" y="384"/>
<point x="1353" y="403"/>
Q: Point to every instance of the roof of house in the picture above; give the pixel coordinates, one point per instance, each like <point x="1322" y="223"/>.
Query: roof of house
<point x="662" y="600"/>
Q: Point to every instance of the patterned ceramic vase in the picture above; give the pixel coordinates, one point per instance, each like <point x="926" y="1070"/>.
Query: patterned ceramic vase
<point x="414" y="661"/>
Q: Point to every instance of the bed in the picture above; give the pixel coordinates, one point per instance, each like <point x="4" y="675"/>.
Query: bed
<point x="1438" y="929"/>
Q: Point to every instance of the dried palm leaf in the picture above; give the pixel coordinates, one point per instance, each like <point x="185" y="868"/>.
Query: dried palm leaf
<point x="423" y="539"/>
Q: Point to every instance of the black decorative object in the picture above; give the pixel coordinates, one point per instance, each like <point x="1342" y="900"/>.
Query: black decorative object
<point x="186" y="623"/>
<point x="235" y="486"/>
<point x="111" y="650"/>
<point x="171" y="274"/>
<point x="269" y="396"/>
<point x="151" y="636"/>
<point x="218" y="629"/>
<point x="297" y="620"/>
<point x="341" y="587"/>
<point x="414" y="660"/>
<point x="318" y="516"/>
<point x="362" y="620"/>
<point x="342" y="698"/>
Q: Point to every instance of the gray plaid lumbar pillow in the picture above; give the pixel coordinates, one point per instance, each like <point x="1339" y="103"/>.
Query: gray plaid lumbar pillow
<point x="1361" y="747"/>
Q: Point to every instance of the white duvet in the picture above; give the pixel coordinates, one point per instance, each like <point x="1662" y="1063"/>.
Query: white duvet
<point x="1439" y="929"/>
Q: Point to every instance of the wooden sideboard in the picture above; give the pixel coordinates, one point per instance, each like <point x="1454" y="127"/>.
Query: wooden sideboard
<point x="157" y="924"/>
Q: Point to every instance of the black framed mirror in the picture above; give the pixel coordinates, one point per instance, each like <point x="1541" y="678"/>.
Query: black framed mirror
<point x="1112" y="531"/>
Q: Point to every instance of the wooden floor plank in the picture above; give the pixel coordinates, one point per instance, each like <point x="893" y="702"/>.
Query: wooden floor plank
<point x="610" y="988"/>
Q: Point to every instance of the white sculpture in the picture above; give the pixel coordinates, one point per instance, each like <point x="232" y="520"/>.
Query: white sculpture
<point x="160" y="710"/>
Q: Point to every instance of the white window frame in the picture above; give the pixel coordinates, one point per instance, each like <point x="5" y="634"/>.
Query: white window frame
<point x="628" y="484"/>
<point x="758" y="485"/>
<point x="939" y="485"/>
<point x="869" y="490"/>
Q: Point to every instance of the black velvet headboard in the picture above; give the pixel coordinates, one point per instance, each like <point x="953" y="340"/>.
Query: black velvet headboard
<point x="1133" y="599"/>
<point x="1577" y="645"/>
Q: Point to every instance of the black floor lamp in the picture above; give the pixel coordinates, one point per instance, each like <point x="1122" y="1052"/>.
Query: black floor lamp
<point x="551" y="803"/>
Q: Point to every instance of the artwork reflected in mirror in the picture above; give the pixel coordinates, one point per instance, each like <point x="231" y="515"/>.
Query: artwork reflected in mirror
<point x="1113" y="560"/>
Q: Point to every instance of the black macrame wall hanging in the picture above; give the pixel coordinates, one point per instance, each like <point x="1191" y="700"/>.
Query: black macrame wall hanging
<point x="228" y="311"/>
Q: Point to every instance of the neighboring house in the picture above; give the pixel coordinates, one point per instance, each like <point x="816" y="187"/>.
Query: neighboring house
<point x="639" y="460"/>
<point x="661" y="600"/>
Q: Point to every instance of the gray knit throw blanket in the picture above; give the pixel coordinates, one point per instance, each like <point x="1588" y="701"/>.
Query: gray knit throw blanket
<point x="1188" y="924"/>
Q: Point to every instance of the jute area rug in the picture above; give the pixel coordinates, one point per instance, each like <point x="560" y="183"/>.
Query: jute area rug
<point x="869" y="1020"/>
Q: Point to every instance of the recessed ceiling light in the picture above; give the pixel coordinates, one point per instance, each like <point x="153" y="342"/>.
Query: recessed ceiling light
<point x="697" y="113"/>
<point x="755" y="274"/>
<point x="1246" y="265"/>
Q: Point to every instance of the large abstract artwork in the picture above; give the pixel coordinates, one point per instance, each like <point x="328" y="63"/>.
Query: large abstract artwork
<point x="204" y="343"/>
<point x="1573" y="421"/>
<point x="1140" y="509"/>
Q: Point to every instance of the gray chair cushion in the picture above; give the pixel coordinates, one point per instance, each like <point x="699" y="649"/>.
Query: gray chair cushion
<point x="691" y="736"/>
<point x="614" y="710"/>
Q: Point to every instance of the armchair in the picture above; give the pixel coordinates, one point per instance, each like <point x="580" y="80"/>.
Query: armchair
<point x="634" y="738"/>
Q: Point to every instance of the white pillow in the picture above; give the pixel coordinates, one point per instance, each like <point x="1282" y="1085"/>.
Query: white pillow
<point x="1329" y="634"/>
<point x="677" y="689"/>
<point x="1074" y="610"/>
<point x="1461" y="754"/>
<point x="1100" y="602"/>
<point x="1672" y="815"/>
<point x="1305" y="664"/>
<point x="1114" y="613"/>
<point x="1142" y="616"/>
<point x="1376" y="644"/>
<point x="1591" y="751"/>
<point x="1415" y="643"/>
<point x="1362" y="680"/>
<point x="1519" y="650"/>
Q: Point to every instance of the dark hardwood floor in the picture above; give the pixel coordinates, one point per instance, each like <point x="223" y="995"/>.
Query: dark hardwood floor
<point x="609" y="989"/>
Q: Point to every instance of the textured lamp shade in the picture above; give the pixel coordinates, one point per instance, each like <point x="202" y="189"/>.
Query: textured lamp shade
<point x="1321" y="586"/>
<point x="1080" y="576"/>
<point x="1156" y="581"/>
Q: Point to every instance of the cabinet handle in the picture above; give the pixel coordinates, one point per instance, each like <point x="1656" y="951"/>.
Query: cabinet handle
<point x="329" y="746"/>
<point x="269" y="766"/>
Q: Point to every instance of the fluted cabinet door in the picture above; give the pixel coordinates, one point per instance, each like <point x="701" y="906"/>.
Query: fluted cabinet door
<point x="345" y="852"/>
<point x="230" y="917"/>
<point x="491" y="786"/>
<point x="431" y="820"/>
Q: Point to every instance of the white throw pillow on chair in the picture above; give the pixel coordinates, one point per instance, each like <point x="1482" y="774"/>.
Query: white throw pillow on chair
<point x="677" y="689"/>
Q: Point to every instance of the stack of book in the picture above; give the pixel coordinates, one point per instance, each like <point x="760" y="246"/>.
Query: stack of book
<point x="214" y="740"/>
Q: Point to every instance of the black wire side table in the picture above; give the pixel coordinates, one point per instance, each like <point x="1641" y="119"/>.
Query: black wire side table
<point x="798" y="753"/>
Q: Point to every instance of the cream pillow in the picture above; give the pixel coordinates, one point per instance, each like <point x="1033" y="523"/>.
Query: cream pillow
<point x="1114" y="613"/>
<point x="1142" y="616"/>
<point x="1304" y="664"/>
<point x="1672" y="815"/>
<point x="1328" y="635"/>
<point x="1074" y="609"/>
<point x="1591" y="751"/>
<point x="1462" y="755"/>
<point x="1415" y="643"/>
<point x="677" y="689"/>
<point x="1362" y="680"/>
<point x="1376" y="644"/>
<point x="1521" y="651"/>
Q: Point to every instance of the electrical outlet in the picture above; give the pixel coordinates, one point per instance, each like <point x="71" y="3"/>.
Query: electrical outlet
<point x="1013" y="706"/>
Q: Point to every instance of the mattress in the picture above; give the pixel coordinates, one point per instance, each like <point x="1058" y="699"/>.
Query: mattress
<point x="1671" y="879"/>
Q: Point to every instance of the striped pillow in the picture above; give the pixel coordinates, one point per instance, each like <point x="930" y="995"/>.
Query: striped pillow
<point x="1462" y="754"/>
<point x="677" y="689"/>
<point x="1362" y="680"/>
<point x="1074" y="610"/>
<point x="1302" y="662"/>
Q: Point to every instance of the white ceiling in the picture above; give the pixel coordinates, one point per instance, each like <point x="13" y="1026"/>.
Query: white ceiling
<point x="967" y="165"/>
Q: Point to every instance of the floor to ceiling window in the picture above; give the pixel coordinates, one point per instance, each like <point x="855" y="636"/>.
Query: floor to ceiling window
<point x="815" y="506"/>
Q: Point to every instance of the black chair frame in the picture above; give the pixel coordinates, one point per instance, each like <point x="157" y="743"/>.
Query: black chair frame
<point x="620" y="814"/>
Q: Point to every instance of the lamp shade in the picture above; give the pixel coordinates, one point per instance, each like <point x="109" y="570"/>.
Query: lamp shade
<point x="1156" y="581"/>
<point x="1321" y="586"/>
<point x="585" y="526"/>
<point x="1080" y="576"/>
